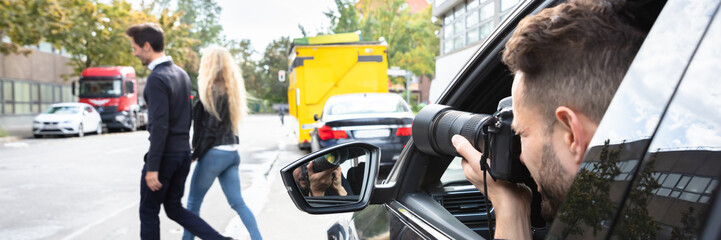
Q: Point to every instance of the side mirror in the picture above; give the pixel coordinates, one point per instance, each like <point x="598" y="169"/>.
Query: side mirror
<point x="333" y="180"/>
<point x="315" y="117"/>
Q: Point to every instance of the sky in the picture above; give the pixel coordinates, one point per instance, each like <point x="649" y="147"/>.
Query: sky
<point x="263" y="21"/>
<point x="266" y="20"/>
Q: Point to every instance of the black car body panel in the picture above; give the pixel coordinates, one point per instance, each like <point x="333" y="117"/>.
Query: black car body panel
<point x="665" y="182"/>
<point x="353" y="126"/>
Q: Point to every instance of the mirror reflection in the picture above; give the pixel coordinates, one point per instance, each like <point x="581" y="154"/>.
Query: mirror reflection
<point x="333" y="178"/>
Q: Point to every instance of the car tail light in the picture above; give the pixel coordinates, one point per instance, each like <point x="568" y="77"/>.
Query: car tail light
<point x="324" y="133"/>
<point x="404" y="131"/>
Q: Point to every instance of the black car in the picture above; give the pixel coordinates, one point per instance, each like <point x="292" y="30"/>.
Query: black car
<point x="382" y="119"/>
<point x="651" y="171"/>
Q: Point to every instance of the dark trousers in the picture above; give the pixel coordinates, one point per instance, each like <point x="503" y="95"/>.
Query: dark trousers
<point x="172" y="174"/>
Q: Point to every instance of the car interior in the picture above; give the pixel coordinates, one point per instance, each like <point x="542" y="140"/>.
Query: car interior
<point x="477" y="88"/>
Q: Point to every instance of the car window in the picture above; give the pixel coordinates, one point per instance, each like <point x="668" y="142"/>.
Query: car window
<point x="367" y="105"/>
<point x="63" y="110"/>
<point x="624" y="134"/>
<point x="682" y="166"/>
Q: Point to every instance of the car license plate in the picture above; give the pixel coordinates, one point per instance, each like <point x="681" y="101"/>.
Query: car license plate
<point x="372" y="133"/>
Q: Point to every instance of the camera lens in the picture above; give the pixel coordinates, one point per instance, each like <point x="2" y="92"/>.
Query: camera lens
<point x="435" y="125"/>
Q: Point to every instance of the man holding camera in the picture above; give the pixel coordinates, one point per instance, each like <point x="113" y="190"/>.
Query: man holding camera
<point x="568" y="62"/>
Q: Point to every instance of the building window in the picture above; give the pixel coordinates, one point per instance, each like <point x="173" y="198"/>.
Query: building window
<point x="487" y="11"/>
<point x="507" y="5"/>
<point x="473" y="21"/>
<point x="20" y="97"/>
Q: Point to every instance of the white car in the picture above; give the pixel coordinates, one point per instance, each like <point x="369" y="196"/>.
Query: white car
<point x="68" y="119"/>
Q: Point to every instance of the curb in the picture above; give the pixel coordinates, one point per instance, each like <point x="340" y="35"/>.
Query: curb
<point x="9" y="139"/>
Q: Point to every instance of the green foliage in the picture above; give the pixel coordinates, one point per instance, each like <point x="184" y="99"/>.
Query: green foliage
<point x="26" y="22"/>
<point x="346" y="18"/>
<point x="94" y="35"/>
<point x="589" y="200"/>
<point x="412" y="41"/>
<point x="275" y="58"/>
<point x="636" y="221"/>
<point x="689" y="226"/>
<point x="202" y="16"/>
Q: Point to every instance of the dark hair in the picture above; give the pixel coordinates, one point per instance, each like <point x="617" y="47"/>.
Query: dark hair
<point x="574" y="54"/>
<point x="147" y="32"/>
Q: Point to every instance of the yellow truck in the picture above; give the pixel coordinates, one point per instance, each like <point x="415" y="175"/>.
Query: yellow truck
<point x="323" y="66"/>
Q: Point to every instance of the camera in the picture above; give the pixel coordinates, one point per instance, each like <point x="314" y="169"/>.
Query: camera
<point x="435" y="125"/>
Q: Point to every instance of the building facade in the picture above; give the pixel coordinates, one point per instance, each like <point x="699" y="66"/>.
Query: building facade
<point x="465" y="25"/>
<point x="29" y="84"/>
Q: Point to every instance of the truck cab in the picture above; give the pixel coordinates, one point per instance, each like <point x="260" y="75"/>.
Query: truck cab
<point x="113" y="91"/>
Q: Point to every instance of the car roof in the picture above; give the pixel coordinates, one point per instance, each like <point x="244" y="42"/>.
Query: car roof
<point x="70" y="104"/>
<point x="351" y="96"/>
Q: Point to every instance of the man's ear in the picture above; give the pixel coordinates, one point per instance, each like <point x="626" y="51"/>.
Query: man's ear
<point x="578" y="131"/>
<point x="147" y="47"/>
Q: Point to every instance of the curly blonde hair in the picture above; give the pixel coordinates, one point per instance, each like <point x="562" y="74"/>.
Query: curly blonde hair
<point x="218" y="75"/>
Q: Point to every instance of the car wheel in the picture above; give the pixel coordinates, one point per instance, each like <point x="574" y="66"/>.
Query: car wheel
<point x="81" y="131"/>
<point x="314" y="143"/>
<point x="99" y="131"/>
<point x="37" y="136"/>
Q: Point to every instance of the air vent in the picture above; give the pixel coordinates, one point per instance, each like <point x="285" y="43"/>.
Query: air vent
<point x="468" y="207"/>
<point x="463" y="203"/>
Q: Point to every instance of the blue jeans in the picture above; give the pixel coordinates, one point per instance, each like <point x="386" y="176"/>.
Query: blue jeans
<point x="224" y="166"/>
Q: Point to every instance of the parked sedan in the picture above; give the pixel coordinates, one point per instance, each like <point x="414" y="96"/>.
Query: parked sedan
<point x="68" y="119"/>
<point x="651" y="171"/>
<point x="382" y="119"/>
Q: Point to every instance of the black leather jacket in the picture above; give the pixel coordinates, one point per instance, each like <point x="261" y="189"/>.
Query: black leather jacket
<point x="208" y="131"/>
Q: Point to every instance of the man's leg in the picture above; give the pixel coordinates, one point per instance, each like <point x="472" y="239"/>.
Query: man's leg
<point x="149" y="208"/>
<point x="175" y="210"/>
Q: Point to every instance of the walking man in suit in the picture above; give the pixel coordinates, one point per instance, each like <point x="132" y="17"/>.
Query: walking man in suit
<point x="167" y="94"/>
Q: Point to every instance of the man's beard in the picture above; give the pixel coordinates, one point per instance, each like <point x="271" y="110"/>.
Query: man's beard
<point x="145" y="61"/>
<point x="554" y="182"/>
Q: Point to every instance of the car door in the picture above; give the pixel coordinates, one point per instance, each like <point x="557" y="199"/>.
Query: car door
<point x="653" y="165"/>
<point x="93" y="119"/>
<point x="414" y="194"/>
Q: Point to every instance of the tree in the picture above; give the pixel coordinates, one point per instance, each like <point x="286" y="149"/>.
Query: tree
<point x="344" y="19"/>
<point x="275" y="58"/>
<point x="26" y="22"/>
<point x="202" y="16"/>
<point x="242" y="52"/>
<point x="94" y="34"/>
<point x="588" y="202"/>
<point x="412" y="41"/>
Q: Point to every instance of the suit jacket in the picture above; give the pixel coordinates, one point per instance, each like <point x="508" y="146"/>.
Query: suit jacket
<point x="167" y="94"/>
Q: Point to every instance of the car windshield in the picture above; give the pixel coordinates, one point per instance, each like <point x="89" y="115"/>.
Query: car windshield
<point x="101" y="88"/>
<point x="365" y="105"/>
<point x="63" y="110"/>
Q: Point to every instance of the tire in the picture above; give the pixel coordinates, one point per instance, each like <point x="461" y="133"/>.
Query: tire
<point x="99" y="131"/>
<point x="37" y="136"/>
<point x="81" y="131"/>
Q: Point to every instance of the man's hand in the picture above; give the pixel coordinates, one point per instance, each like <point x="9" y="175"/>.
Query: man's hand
<point x="338" y="182"/>
<point x="511" y="201"/>
<point x="319" y="181"/>
<point x="151" y="178"/>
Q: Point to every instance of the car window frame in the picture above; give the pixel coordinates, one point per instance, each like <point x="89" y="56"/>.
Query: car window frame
<point x="618" y="108"/>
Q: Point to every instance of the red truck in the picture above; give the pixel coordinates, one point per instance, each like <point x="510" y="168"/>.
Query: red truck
<point x="113" y="91"/>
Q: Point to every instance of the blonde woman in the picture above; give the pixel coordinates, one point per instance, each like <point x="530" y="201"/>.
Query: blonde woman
<point x="215" y="139"/>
